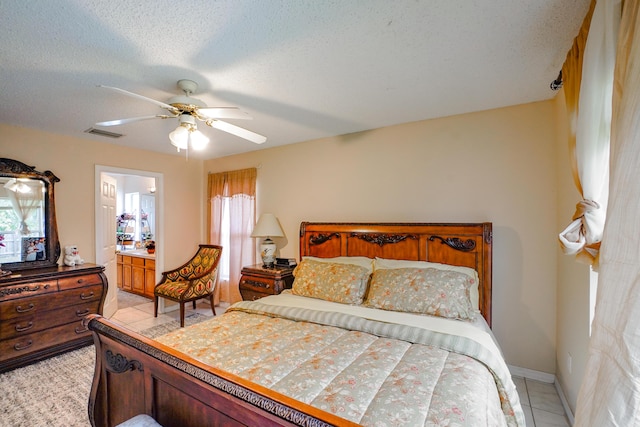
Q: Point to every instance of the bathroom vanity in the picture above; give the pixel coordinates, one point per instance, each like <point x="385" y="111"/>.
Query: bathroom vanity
<point x="136" y="272"/>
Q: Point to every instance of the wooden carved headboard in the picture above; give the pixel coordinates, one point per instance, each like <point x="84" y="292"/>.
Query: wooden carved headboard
<point x="467" y="245"/>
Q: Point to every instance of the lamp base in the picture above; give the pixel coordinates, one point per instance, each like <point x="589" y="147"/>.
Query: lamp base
<point x="268" y="253"/>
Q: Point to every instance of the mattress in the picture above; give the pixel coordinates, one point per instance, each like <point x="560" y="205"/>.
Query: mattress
<point x="369" y="366"/>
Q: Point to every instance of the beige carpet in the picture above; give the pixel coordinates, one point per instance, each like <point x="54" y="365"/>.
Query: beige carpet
<point x="55" y="392"/>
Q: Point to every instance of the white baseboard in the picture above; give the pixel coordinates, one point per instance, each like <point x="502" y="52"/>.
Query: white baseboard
<point x="565" y="403"/>
<point x="544" y="377"/>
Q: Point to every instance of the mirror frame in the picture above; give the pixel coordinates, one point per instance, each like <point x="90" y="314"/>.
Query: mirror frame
<point x="15" y="169"/>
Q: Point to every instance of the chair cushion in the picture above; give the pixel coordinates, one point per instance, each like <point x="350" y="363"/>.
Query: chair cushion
<point x="185" y="290"/>
<point x="173" y="290"/>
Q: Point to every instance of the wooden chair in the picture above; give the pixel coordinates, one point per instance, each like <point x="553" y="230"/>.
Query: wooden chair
<point x="194" y="280"/>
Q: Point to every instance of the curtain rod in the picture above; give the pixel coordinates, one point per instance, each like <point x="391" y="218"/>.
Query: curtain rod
<point x="557" y="83"/>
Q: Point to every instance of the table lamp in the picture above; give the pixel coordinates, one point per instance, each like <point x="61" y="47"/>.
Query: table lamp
<point x="268" y="226"/>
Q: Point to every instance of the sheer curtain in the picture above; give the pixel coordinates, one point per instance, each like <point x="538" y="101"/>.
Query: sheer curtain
<point x="232" y="216"/>
<point x="588" y="72"/>
<point x="24" y="205"/>
<point x="610" y="392"/>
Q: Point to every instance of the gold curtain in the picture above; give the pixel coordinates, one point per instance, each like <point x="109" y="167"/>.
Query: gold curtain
<point x="236" y="189"/>
<point x="230" y="183"/>
<point x="572" y="77"/>
<point x="588" y="79"/>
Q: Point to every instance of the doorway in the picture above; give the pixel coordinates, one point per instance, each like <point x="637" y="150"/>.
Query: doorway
<point x="148" y="186"/>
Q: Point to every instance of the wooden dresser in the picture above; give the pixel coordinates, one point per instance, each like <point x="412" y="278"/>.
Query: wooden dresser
<point x="41" y="311"/>
<point x="257" y="282"/>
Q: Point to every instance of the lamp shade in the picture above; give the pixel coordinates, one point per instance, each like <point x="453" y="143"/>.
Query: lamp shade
<point x="267" y="226"/>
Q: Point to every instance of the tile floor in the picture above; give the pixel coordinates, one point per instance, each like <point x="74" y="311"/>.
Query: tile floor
<point x="540" y="401"/>
<point x="136" y="312"/>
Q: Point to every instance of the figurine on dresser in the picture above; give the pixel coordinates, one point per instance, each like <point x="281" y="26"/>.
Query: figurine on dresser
<point x="72" y="256"/>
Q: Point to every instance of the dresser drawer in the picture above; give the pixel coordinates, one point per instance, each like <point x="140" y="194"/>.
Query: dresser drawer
<point x="248" y="295"/>
<point x="28" y="289"/>
<point x="79" y="281"/>
<point x="28" y="306"/>
<point x="23" y="345"/>
<point x="42" y="310"/>
<point x="41" y="320"/>
<point x="257" y="284"/>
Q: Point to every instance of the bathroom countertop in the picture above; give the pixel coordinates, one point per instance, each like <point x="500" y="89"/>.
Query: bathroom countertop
<point x="141" y="253"/>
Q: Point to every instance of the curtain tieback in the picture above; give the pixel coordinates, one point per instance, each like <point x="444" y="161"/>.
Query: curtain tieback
<point x="582" y="237"/>
<point x="585" y="206"/>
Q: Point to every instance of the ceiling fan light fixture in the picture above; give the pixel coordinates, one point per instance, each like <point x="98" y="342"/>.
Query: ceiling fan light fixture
<point x="188" y="110"/>
<point x="180" y="137"/>
<point x="198" y="140"/>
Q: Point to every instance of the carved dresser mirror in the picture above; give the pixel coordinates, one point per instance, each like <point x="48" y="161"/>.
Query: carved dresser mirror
<point x="28" y="230"/>
<point x="42" y="304"/>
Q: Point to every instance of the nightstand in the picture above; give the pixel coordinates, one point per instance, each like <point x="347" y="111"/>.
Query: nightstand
<point x="257" y="282"/>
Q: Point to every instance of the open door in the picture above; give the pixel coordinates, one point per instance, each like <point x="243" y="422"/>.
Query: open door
<point x="106" y="240"/>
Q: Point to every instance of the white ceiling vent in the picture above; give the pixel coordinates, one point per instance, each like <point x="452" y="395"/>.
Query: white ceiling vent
<point x="104" y="133"/>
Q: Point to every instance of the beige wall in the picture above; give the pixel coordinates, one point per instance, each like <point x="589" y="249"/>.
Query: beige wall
<point x="497" y="166"/>
<point x="73" y="160"/>
<point x="573" y="279"/>
<point x="505" y="166"/>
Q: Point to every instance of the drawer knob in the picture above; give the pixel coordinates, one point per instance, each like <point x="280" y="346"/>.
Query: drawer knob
<point x="21" y="309"/>
<point x="26" y="327"/>
<point x="22" y="346"/>
<point x="81" y="329"/>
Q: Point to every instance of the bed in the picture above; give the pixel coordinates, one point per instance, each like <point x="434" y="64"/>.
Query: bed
<point x="386" y="324"/>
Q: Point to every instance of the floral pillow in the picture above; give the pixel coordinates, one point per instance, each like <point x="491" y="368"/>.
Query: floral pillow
<point x="433" y="291"/>
<point x="337" y="282"/>
<point x="385" y="263"/>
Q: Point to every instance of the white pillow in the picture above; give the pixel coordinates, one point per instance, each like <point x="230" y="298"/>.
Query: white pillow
<point x="385" y="264"/>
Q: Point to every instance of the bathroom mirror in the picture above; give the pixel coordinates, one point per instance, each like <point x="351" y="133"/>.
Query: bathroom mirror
<point x="28" y="230"/>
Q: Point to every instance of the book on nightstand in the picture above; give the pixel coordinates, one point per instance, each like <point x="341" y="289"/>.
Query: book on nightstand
<point x="286" y="262"/>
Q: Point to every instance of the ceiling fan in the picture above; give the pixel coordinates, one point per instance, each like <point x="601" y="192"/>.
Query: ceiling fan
<point x="188" y="110"/>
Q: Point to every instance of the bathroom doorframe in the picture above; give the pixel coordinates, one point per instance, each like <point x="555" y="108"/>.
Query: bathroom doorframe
<point x="158" y="232"/>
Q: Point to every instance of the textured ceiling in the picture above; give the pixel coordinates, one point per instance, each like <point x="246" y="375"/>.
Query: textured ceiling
<point x="304" y="69"/>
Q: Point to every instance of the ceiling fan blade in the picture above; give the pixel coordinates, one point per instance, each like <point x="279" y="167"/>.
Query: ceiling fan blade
<point x="237" y="131"/>
<point x="133" y="119"/>
<point x="144" y="98"/>
<point x="223" y="113"/>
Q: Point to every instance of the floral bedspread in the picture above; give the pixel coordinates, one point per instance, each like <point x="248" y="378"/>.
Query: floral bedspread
<point x="369" y="372"/>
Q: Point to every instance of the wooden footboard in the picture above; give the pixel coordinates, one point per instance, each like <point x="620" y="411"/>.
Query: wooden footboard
<point x="136" y="375"/>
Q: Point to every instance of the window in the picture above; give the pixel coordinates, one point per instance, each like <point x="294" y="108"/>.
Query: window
<point x="231" y="218"/>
